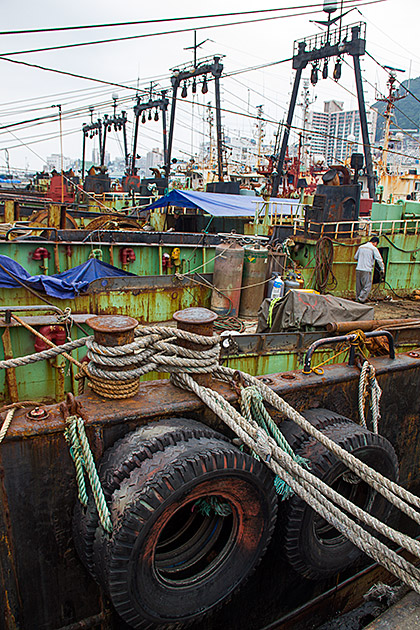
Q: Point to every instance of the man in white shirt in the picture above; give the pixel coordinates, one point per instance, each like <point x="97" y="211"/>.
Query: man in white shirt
<point x="366" y="256"/>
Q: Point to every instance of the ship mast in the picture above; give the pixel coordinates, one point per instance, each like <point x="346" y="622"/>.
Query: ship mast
<point x="390" y="101"/>
<point x="305" y="104"/>
<point x="260" y="133"/>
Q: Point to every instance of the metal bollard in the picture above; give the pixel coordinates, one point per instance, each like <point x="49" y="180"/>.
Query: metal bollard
<point x="199" y="321"/>
<point x="115" y="330"/>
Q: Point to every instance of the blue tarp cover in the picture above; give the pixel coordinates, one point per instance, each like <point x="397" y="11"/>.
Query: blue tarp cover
<point x="64" y="285"/>
<point x="220" y="205"/>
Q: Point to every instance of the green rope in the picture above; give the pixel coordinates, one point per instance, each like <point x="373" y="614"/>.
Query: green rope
<point x="212" y="504"/>
<point x="253" y="409"/>
<point x="270" y="310"/>
<point x="81" y="454"/>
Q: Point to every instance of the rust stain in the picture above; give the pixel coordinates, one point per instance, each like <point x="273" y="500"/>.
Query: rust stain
<point x="10" y="372"/>
<point x="9" y="576"/>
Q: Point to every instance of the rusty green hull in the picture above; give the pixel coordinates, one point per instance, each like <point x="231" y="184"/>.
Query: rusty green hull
<point x="402" y="268"/>
<point x="258" y="354"/>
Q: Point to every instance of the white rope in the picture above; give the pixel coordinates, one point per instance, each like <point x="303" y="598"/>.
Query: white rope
<point x="44" y="354"/>
<point x="369" y="388"/>
<point x="6" y="423"/>
<point x="161" y="348"/>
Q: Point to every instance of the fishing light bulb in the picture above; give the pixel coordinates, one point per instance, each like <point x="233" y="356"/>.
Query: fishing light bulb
<point x="325" y="70"/>
<point x="184" y="92"/>
<point x="337" y="70"/>
<point x="156" y="115"/>
<point x="204" y="88"/>
<point x="194" y="86"/>
<point x="314" y="75"/>
<point x="143" y="118"/>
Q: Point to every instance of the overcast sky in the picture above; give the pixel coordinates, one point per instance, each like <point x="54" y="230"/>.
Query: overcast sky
<point x="392" y="38"/>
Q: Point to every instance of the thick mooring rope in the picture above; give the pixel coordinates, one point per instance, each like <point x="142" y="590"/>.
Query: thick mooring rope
<point x="162" y="349"/>
<point x="312" y="490"/>
<point x="44" y="354"/>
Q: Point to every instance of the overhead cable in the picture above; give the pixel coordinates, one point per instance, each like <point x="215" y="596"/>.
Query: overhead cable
<point x="174" y="32"/>
<point x="161" y="20"/>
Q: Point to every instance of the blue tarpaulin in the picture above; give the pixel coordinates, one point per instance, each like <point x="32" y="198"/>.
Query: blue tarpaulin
<point x="64" y="285"/>
<point x="220" y="205"/>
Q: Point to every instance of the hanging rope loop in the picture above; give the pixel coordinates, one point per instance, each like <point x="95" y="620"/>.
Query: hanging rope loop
<point x="84" y="464"/>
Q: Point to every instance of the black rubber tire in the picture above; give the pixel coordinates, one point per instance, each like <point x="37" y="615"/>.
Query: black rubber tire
<point x="121" y="459"/>
<point x="314" y="548"/>
<point x="126" y="454"/>
<point x="139" y="566"/>
<point x="319" y="418"/>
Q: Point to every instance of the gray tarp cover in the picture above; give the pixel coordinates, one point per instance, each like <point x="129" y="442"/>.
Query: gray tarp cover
<point x="299" y="310"/>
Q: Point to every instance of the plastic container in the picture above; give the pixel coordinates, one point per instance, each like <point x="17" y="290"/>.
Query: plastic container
<point x="278" y="289"/>
<point x="293" y="281"/>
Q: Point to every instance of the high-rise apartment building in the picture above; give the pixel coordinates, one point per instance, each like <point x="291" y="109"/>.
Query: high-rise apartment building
<point x="336" y="134"/>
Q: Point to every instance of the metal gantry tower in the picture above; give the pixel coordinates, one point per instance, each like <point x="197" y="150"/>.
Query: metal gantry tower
<point x="337" y="42"/>
<point x="183" y="74"/>
<point x="153" y="103"/>
<point x="100" y="128"/>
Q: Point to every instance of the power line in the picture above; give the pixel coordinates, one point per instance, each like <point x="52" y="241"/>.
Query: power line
<point x="174" y="32"/>
<point x="69" y="74"/>
<point x="128" y="87"/>
<point x="160" y="20"/>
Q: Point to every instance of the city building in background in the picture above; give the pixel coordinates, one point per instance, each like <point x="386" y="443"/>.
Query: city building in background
<point x="335" y="133"/>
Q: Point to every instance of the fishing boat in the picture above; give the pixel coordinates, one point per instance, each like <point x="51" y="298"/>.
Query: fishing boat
<point x="213" y="549"/>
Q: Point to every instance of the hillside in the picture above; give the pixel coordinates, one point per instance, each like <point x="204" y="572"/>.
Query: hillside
<point x="407" y="110"/>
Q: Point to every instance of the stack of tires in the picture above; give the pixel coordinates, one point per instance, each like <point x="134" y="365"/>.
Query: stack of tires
<point x="168" y="561"/>
<point x="192" y="515"/>
<point x="312" y="546"/>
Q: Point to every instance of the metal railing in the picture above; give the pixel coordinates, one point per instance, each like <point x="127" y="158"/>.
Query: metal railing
<point x="358" y="228"/>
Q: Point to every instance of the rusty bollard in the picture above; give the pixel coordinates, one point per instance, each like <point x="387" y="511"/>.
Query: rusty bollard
<point x="199" y="321"/>
<point x="112" y="331"/>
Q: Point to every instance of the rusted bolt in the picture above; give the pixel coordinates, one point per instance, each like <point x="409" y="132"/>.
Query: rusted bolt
<point x="199" y="321"/>
<point x="37" y="414"/>
<point x="113" y="330"/>
<point x="287" y="376"/>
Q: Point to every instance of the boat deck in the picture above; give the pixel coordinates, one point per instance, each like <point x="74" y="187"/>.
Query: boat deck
<point x="404" y="615"/>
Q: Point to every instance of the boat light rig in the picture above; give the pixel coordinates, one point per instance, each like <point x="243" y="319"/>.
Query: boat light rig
<point x="100" y="128"/>
<point x="157" y="104"/>
<point x="183" y="74"/>
<point x="350" y="40"/>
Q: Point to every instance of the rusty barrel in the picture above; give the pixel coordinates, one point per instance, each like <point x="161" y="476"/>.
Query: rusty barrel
<point x="253" y="280"/>
<point x="227" y="278"/>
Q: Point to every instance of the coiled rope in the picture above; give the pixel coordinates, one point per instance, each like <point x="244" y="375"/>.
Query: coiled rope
<point x="324" y="258"/>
